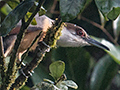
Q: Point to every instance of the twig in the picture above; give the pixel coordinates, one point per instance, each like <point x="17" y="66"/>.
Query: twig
<point x="53" y="8"/>
<point x="26" y="53"/>
<point x="51" y="38"/>
<point x="9" y="79"/>
<point x="39" y="53"/>
<point x="2" y="61"/>
<point x="12" y="65"/>
<point x="102" y="28"/>
<point x="1" y="49"/>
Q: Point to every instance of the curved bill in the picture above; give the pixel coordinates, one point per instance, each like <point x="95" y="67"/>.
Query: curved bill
<point x="96" y="43"/>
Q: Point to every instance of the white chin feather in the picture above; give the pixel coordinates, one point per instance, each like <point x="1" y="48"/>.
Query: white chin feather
<point x="68" y="39"/>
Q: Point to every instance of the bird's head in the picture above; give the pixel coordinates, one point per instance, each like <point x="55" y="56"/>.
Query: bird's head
<point x="75" y="36"/>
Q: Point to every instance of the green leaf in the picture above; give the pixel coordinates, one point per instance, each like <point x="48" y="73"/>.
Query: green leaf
<point x="33" y="22"/>
<point x="114" y="50"/>
<point x="39" y="73"/>
<point x="70" y="84"/>
<point x="14" y="16"/>
<point x="42" y="11"/>
<point x="114" y="13"/>
<point x="77" y="63"/>
<point x="103" y="73"/>
<point x="62" y="86"/>
<point x="45" y="86"/>
<point x="116" y="27"/>
<point x="49" y="81"/>
<point x="13" y="3"/>
<point x="57" y="69"/>
<point x="106" y="6"/>
<point x="116" y="80"/>
<point x="6" y="9"/>
<point x="25" y="88"/>
<point x="69" y="9"/>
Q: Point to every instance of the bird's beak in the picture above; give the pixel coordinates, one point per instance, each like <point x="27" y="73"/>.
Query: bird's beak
<point x="96" y="43"/>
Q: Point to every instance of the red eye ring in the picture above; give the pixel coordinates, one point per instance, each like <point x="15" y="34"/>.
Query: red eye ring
<point x="80" y="33"/>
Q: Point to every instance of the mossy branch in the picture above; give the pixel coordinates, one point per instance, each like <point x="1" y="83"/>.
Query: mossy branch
<point x="2" y="61"/>
<point x="10" y="73"/>
<point x="52" y="36"/>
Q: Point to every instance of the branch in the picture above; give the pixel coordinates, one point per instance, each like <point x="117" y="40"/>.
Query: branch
<point x="51" y="37"/>
<point x="1" y="51"/>
<point x="102" y="28"/>
<point x="2" y="60"/>
<point x="53" y="8"/>
<point x="10" y="74"/>
<point x="26" y="53"/>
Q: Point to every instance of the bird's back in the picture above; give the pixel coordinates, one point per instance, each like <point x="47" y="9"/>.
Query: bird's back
<point x="43" y="22"/>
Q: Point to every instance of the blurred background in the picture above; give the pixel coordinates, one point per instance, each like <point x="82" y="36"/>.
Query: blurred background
<point x="90" y="67"/>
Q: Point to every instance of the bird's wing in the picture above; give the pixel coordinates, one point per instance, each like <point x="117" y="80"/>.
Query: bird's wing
<point x="41" y="24"/>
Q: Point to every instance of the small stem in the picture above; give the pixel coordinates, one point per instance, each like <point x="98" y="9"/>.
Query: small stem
<point x="2" y="61"/>
<point x="20" y="81"/>
<point x="10" y="74"/>
<point x="1" y="48"/>
<point x="39" y="53"/>
<point x="102" y="28"/>
<point x="51" y="37"/>
<point x="12" y="65"/>
<point x="27" y="24"/>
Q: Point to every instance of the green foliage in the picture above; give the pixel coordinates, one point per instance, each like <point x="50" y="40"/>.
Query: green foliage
<point x="42" y="11"/>
<point x="114" y="50"/>
<point x="70" y="83"/>
<point x="103" y="72"/>
<point x="14" y="16"/>
<point x="114" y="13"/>
<point x="71" y="8"/>
<point x="116" y="27"/>
<point x="57" y="69"/>
<point x="6" y="9"/>
<point x="108" y="8"/>
<point x="81" y="64"/>
<point x="77" y="63"/>
<point x="13" y="3"/>
<point x="28" y="16"/>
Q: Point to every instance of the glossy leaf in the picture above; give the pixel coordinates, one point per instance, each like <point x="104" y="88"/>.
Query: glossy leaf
<point x="39" y="74"/>
<point x="114" y="50"/>
<point x="116" y="27"/>
<point x="62" y="86"/>
<point x="116" y="80"/>
<point x="45" y="86"/>
<point x="42" y="11"/>
<point x="14" y="16"/>
<point x="13" y="3"/>
<point x="114" y="13"/>
<point x="49" y="81"/>
<point x="69" y="9"/>
<point x="106" y="6"/>
<point x="5" y="9"/>
<point x="33" y="22"/>
<point x="70" y="84"/>
<point x="77" y="62"/>
<point x="57" y="69"/>
<point x="103" y="73"/>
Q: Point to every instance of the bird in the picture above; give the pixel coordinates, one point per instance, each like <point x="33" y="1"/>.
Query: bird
<point x="71" y="36"/>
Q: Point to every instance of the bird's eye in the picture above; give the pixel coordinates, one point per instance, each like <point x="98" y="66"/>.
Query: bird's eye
<point x="80" y="32"/>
